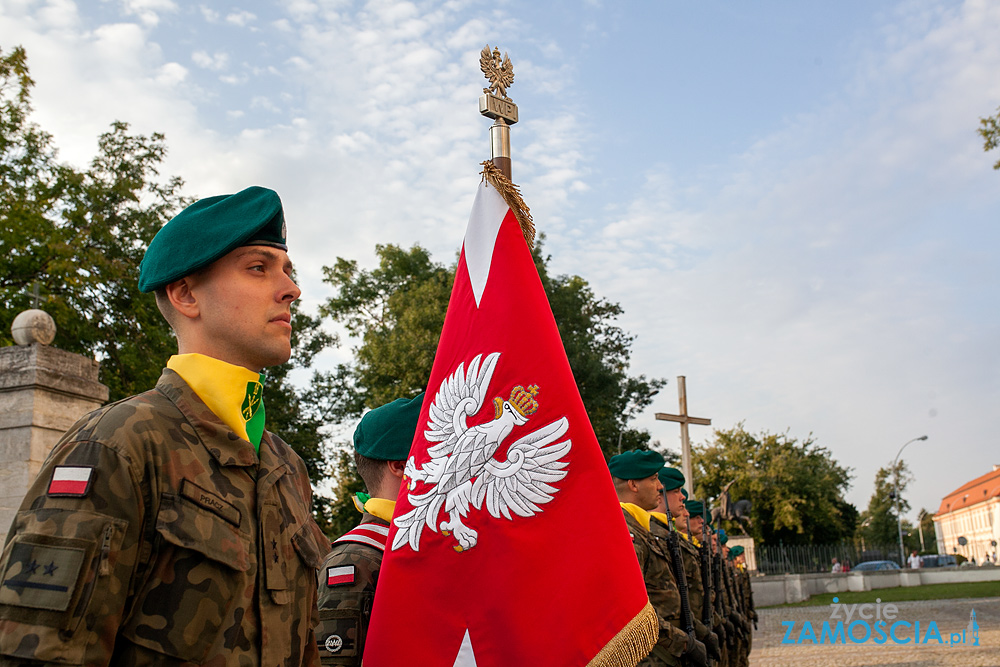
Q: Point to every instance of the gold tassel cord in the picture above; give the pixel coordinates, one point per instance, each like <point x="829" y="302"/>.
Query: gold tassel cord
<point x="632" y="644"/>
<point x="512" y="195"/>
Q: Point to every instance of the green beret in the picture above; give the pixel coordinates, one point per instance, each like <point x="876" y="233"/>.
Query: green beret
<point x="736" y="551"/>
<point x="671" y="478"/>
<point x="209" y="229"/>
<point x="684" y="492"/>
<point x="636" y="464"/>
<point x="386" y="433"/>
<point x="694" y="507"/>
<point x="723" y="538"/>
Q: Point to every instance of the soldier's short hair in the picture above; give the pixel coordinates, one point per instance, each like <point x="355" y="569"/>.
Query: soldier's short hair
<point x="372" y="471"/>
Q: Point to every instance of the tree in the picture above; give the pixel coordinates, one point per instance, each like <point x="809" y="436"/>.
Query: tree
<point x="879" y="520"/>
<point x="80" y="235"/>
<point x="396" y="311"/>
<point x="989" y="130"/>
<point x="796" y="488"/>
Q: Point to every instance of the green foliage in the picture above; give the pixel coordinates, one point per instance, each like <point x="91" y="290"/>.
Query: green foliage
<point x="289" y="412"/>
<point x="989" y="130"/>
<point x="79" y="235"/>
<point x="397" y="311"/>
<point x="599" y="352"/>
<point x="878" y="522"/>
<point x="796" y="489"/>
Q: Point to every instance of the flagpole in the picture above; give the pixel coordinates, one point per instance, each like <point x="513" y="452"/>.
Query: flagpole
<point x="500" y="74"/>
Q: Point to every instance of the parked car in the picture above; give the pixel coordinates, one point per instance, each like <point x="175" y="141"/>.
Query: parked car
<point x="871" y="565"/>
<point x="938" y="560"/>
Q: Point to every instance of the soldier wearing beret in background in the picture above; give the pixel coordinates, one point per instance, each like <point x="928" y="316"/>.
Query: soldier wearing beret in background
<point x="673" y="497"/>
<point x="349" y="575"/>
<point x="687" y="517"/>
<point x="638" y="487"/>
<point x="170" y="528"/>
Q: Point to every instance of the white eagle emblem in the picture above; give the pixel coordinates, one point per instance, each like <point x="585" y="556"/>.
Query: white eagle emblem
<point x="462" y="470"/>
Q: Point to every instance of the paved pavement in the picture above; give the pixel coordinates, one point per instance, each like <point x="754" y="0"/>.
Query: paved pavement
<point x="951" y="616"/>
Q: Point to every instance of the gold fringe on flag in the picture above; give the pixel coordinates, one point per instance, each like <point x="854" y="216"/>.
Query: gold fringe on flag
<point x="512" y="195"/>
<point x="632" y="644"/>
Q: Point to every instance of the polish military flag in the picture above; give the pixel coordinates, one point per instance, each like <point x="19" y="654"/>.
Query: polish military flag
<point x="507" y="545"/>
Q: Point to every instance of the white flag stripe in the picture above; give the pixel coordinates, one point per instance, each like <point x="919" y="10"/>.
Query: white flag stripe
<point x="488" y="212"/>
<point x="339" y="571"/>
<point x="374" y="527"/>
<point x="71" y="474"/>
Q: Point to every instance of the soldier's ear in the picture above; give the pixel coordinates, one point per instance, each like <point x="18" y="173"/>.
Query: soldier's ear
<point x="182" y="298"/>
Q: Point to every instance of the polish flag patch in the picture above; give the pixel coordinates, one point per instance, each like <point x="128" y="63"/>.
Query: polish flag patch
<point x="337" y="576"/>
<point x="71" y="481"/>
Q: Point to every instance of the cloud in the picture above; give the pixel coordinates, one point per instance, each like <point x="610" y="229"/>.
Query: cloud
<point x="241" y="18"/>
<point x="148" y="11"/>
<point x="217" y="62"/>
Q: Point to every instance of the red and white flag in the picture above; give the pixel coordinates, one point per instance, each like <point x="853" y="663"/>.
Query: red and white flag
<point x="508" y="546"/>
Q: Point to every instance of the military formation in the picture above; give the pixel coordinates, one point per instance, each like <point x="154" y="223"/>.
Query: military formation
<point x="699" y="587"/>
<point x="171" y="528"/>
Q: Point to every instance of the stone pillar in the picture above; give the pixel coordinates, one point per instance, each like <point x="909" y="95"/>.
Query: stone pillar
<point x="43" y="391"/>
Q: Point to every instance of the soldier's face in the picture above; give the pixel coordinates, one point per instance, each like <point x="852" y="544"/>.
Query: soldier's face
<point x="648" y="492"/>
<point x="696" y="523"/>
<point x="675" y="500"/>
<point x="244" y="313"/>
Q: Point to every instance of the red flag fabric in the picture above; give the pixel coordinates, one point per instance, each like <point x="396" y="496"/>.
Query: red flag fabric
<point x="508" y="546"/>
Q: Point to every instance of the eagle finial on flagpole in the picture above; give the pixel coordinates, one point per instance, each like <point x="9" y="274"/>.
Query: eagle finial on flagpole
<point x="500" y="74"/>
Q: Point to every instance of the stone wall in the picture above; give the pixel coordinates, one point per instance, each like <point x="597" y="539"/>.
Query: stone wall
<point x="788" y="588"/>
<point x="43" y="391"/>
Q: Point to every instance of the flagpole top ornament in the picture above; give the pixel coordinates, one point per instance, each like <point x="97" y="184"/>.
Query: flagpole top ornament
<point x="494" y="103"/>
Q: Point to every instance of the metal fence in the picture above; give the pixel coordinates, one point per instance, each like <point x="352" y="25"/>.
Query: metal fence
<point x="810" y="558"/>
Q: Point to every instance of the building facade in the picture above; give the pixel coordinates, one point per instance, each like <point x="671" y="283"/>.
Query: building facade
<point x="968" y="521"/>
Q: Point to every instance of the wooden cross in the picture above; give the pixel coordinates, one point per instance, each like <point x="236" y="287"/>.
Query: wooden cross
<point x="35" y="293"/>
<point x="684" y="420"/>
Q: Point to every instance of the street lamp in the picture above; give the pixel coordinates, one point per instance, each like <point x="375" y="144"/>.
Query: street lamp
<point x="899" y="519"/>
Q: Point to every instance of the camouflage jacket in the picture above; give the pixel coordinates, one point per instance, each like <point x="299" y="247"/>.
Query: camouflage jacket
<point x="347" y="583"/>
<point x="663" y="595"/>
<point x="174" y="544"/>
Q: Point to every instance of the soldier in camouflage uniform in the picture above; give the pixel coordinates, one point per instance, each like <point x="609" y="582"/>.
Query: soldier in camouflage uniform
<point x="170" y="528"/>
<point x="745" y="592"/>
<point x="661" y="525"/>
<point x="635" y="477"/>
<point x="350" y="573"/>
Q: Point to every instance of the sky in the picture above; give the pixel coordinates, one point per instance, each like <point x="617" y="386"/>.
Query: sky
<point x="789" y="199"/>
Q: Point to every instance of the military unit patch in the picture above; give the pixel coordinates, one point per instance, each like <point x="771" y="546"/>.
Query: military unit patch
<point x="40" y="576"/>
<point x="338" y="576"/>
<point x="73" y="481"/>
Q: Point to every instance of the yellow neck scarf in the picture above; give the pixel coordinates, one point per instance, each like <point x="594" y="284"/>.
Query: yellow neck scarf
<point x="233" y="393"/>
<point x="639" y="514"/>
<point x="381" y="508"/>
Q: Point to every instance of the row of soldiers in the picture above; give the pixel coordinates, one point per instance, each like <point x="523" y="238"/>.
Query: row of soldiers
<point x="698" y="586"/>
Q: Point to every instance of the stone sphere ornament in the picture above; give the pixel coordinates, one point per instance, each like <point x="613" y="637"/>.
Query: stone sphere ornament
<point x="33" y="326"/>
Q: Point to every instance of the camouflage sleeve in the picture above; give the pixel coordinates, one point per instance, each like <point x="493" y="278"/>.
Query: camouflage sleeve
<point x="347" y="583"/>
<point x="68" y="566"/>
